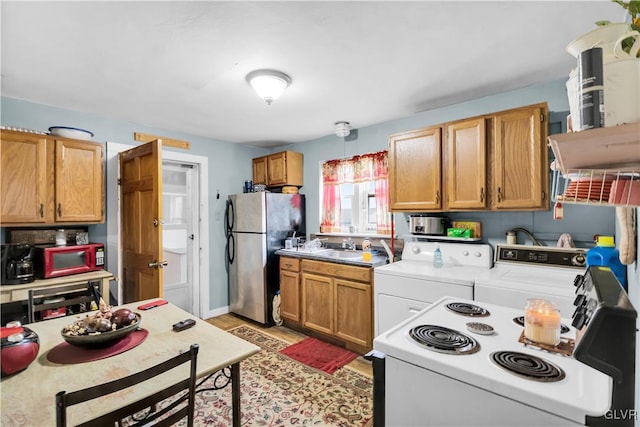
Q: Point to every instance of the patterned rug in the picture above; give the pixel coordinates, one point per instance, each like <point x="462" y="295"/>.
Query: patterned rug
<point x="275" y="390"/>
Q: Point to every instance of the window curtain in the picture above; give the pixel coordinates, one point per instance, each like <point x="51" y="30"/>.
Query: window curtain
<point x="365" y="167"/>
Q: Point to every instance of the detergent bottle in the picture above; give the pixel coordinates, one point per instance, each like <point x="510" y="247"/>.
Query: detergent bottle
<point x="605" y="254"/>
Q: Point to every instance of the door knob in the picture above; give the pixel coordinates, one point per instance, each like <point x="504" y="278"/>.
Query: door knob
<point x="156" y="264"/>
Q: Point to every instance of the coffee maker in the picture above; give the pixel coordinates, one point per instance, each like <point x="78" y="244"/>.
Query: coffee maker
<point x="17" y="265"/>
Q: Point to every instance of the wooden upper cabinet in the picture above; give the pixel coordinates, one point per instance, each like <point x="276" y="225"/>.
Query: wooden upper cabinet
<point x="24" y="188"/>
<point x="521" y="159"/>
<point x="50" y="181"/>
<point x="279" y="169"/>
<point x="79" y="181"/>
<point x="415" y="165"/>
<point x="465" y="171"/>
<point x="260" y="170"/>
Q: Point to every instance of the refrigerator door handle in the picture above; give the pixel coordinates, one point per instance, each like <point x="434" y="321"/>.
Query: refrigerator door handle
<point x="229" y="216"/>
<point x="231" y="248"/>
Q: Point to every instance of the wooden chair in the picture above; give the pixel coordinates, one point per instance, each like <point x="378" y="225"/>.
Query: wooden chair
<point x="185" y="387"/>
<point x="79" y="293"/>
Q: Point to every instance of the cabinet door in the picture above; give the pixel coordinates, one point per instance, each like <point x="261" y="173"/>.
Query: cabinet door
<point x="79" y="194"/>
<point x="415" y="167"/>
<point x="354" y="318"/>
<point x="466" y="165"/>
<point x="290" y="295"/>
<point x="521" y="160"/>
<point x="25" y="192"/>
<point x="260" y="170"/>
<point x="317" y="303"/>
<point x="277" y="169"/>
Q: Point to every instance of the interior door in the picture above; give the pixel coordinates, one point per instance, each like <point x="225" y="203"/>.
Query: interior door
<point x="141" y="230"/>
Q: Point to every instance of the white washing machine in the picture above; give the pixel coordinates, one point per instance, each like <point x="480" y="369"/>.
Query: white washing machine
<point x="521" y="272"/>
<point x="408" y="286"/>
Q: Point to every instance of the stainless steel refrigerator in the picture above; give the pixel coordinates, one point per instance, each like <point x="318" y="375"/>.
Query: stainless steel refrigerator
<point x="256" y="226"/>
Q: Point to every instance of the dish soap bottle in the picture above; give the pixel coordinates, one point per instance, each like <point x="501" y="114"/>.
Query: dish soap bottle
<point x="437" y="257"/>
<point x="366" y="250"/>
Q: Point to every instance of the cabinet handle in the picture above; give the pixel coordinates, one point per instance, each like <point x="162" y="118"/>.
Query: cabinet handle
<point x="437" y="197"/>
<point x="544" y="195"/>
<point x="59" y="209"/>
<point x="41" y="210"/>
<point x="482" y="194"/>
<point x="288" y="265"/>
<point x="499" y="194"/>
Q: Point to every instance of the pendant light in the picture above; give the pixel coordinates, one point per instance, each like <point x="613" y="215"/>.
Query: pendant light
<point x="268" y="84"/>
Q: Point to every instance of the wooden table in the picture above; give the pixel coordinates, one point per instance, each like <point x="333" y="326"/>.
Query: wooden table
<point x="28" y="397"/>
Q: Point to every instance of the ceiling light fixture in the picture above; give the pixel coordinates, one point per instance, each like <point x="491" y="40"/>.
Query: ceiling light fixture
<point x="343" y="128"/>
<point x="268" y="84"/>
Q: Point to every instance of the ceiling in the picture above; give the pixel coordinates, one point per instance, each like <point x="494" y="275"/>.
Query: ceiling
<point x="182" y="65"/>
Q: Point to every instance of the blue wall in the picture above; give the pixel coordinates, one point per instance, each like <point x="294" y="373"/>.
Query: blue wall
<point x="230" y="165"/>
<point x="582" y="222"/>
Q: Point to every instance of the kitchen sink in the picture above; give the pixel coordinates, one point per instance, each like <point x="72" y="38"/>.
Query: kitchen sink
<point x="323" y="251"/>
<point x="336" y="253"/>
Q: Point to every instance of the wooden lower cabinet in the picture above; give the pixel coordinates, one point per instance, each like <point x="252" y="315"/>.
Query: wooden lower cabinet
<point x="317" y="303"/>
<point x="334" y="300"/>
<point x="353" y="316"/>
<point x="290" y="288"/>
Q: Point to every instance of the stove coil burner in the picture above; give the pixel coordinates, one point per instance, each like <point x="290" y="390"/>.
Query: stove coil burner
<point x="527" y="366"/>
<point x="444" y="340"/>
<point x="467" y="309"/>
<point x="520" y="321"/>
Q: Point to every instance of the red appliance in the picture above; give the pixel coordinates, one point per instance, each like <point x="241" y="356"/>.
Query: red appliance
<point x="20" y="346"/>
<point x="55" y="261"/>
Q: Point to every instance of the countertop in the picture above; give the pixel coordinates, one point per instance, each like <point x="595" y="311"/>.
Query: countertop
<point x="9" y="293"/>
<point x="377" y="259"/>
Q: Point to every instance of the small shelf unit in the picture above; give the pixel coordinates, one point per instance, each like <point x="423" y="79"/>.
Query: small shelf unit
<point x="597" y="167"/>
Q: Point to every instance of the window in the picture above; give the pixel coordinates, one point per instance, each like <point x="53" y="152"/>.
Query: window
<point x="355" y="195"/>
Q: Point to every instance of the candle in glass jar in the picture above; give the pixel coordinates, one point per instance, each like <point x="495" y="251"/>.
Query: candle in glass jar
<point x="542" y="322"/>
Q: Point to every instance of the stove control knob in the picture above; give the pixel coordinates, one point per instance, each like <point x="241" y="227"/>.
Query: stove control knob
<point x="580" y="300"/>
<point x="477" y="254"/>
<point x="579" y="320"/>
<point x="415" y="250"/>
<point x="465" y="253"/>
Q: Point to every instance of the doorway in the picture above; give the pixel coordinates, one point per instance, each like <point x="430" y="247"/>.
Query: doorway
<point x="181" y="226"/>
<point x="197" y="258"/>
<point x="193" y="170"/>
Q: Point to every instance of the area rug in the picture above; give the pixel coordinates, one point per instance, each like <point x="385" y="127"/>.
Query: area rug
<point x="276" y="390"/>
<point x="319" y="354"/>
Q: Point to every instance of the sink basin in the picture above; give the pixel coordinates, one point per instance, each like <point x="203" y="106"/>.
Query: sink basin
<point x="309" y="251"/>
<point x="335" y="253"/>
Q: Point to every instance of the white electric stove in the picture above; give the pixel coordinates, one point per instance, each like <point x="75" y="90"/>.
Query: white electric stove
<point x="430" y="386"/>
<point x="521" y="272"/>
<point x="403" y="288"/>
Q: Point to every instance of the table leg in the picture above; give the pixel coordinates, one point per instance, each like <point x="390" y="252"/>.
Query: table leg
<point x="235" y="393"/>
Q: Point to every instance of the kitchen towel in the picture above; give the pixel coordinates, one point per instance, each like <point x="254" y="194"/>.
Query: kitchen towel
<point x="319" y="354"/>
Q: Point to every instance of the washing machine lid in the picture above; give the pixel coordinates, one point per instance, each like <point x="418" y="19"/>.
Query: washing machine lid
<point x="453" y="274"/>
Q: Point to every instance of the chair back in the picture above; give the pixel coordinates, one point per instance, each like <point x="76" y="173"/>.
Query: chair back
<point x="181" y="407"/>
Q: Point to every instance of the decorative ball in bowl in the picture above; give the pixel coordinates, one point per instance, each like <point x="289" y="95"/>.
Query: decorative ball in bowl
<point x="97" y="330"/>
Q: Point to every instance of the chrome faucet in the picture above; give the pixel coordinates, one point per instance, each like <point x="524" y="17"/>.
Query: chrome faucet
<point x="349" y="244"/>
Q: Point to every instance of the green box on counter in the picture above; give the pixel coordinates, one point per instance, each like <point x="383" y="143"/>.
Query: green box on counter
<point x="459" y="232"/>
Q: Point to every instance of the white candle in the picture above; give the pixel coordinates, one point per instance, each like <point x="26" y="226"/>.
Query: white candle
<point x="542" y="322"/>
